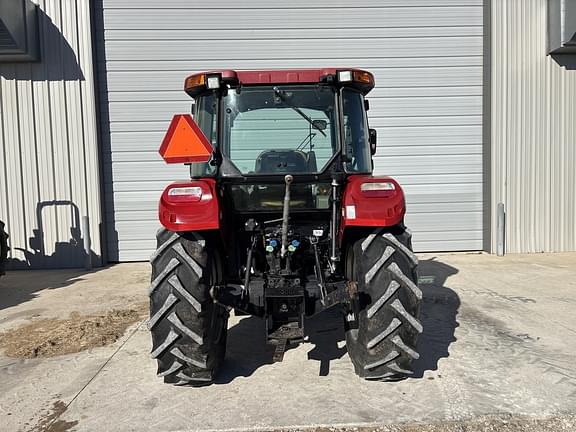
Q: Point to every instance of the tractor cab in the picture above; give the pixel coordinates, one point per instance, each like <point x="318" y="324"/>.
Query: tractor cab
<point x="263" y="126"/>
<point x="303" y="127"/>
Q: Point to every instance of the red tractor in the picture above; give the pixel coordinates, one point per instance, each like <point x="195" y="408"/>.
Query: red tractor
<point x="281" y="218"/>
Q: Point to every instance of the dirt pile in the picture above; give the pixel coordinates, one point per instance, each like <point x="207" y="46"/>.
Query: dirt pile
<point x="52" y="337"/>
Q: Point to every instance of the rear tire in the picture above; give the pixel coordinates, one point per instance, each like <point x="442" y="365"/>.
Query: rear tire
<point x="188" y="328"/>
<point x="384" y="344"/>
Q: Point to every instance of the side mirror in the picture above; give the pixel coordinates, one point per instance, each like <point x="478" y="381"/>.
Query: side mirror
<point x="319" y="124"/>
<point x="372" y="138"/>
<point x="366" y="104"/>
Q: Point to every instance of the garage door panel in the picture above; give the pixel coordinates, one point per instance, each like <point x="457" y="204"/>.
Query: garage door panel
<point x="432" y="179"/>
<point x="175" y="94"/>
<point x="442" y="207"/>
<point x="455" y="120"/>
<point x="450" y="222"/>
<point x="128" y="201"/>
<point x="135" y="142"/>
<point x="143" y="126"/>
<point x="133" y="215"/>
<point x="294" y="50"/>
<point x="147" y="150"/>
<point x="128" y="230"/>
<point x="153" y="186"/>
<point x="231" y="35"/>
<point x="438" y="91"/>
<point x="290" y="18"/>
<point x="430" y="164"/>
<point x="426" y="56"/>
<point x="447" y="245"/>
<point x="431" y="135"/>
<point x="267" y="4"/>
<point x="133" y="250"/>
<point x="132" y="122"/>
<point x="156" y="170"/>
<point x="429" y="150"/>
<point x="444" y="192"/>
<point x="430" y="236"/>
<point x="428" y="107"/>
<point x="188" y="66"/>
<point x="391" y="107"/>
<point x="452" y="240"/>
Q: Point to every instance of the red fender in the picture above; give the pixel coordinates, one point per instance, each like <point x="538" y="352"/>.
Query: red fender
<point x="190" y="206"/>
<point x="374" y="206"/>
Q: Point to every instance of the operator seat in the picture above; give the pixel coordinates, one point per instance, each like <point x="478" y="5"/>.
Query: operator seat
<point x="277" y="162"/>
<point x="281" y="161"/>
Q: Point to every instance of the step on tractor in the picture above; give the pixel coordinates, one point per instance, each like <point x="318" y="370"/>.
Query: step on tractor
<point x="281" y="218"/>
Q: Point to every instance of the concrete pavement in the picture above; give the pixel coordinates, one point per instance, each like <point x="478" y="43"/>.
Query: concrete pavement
<point x="499" y="339"/>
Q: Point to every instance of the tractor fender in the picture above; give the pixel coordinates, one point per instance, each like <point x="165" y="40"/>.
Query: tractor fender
<point x="379" y="205"/>
<point x="190" y="206"/>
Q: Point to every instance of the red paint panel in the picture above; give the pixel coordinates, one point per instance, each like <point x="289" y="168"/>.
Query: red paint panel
<point x="281" y="76"/>
<point x="370" y="209"/>
<point x="284" y="76"/>
<point x="177" y="214"/>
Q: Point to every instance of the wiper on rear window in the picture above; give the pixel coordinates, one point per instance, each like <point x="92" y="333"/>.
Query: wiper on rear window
<point x="282" y="95"/>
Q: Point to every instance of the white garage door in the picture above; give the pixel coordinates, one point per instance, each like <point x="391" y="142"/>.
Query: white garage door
<point x="427" y="106"/>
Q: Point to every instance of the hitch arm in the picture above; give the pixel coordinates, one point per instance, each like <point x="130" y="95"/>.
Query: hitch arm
<point x="286" y="215"/>
<point x="248" y="266"/>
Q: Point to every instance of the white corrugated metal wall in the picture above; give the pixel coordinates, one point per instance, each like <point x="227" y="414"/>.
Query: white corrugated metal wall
<point x="427" y="107"/>
<point x="49" y="165"/>
<point x="533" y="132"/>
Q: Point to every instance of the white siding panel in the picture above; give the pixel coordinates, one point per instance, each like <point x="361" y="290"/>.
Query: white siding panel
<point x="426" y="56"/>
<point x="49" y="168"/>
<point x="533" y="132"/>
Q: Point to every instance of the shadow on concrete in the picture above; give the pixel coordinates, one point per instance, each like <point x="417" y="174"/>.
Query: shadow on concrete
<point x="21" y="286"/>
<point x="438" y="315"/>
<point x="247" y="349"/>
<point x="18" y="287"/>
<point x="325" y="331"/>
<point x="58" y="60"/>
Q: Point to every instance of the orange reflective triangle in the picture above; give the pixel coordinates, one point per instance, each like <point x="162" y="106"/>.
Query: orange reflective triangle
<point x="185" y="142"/>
